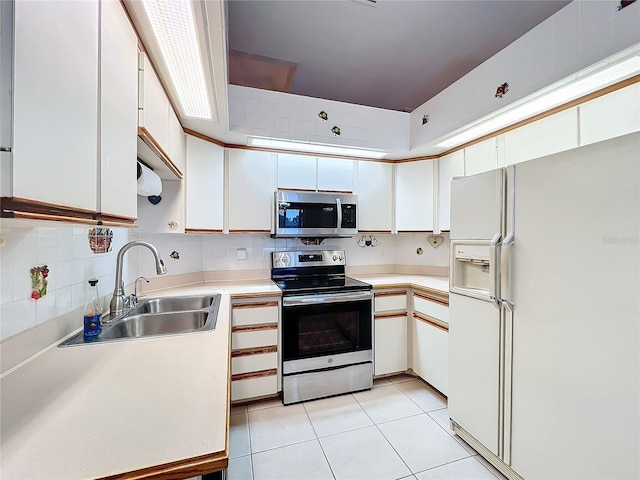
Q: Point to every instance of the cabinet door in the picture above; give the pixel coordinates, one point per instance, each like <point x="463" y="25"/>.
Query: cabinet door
<point x="168" y="215"/>
<point x="430" y="353"/>
<point x="414" y="196"/>
<point x="335" y="174"/>
<point x="449" y="167"/>
<point x="119" y="112"/>
<point x="612" y="115"/>
<point x="375" y="196"/>
<point x="55" y="94"/>
<point x="390" y="344"/>
<point x="556" y="133"/>
<point x="204" y="185"/>
<point x="297" y="172"/>
<point x="252" y="183"/>
<point x="155" y="106"/>
<point x="481" y="157"/>
<point x="177" y="141"/>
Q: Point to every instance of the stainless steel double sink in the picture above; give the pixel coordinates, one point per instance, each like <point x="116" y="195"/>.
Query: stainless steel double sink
<point x="158" y="317"/>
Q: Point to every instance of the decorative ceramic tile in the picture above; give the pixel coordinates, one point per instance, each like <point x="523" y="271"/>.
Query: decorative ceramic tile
<point x="384" y="404"/>
<point x="279" y="426"/>
<point x="294" y="462"/>
<point x="336" y="414"/>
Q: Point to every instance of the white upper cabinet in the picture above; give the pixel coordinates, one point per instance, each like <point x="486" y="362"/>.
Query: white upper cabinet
<point x="481" y="157"/>
<point x="375" y="196"/>
<point x="449" y="167"/>
<point x="55" y="95"/>
<point x="252" y="184"/>
<point x="297" y="172"/>
<point x="176" y="142"/>
<point x="414" y="196"/>
<point x="304" y="172"/>
<point x="118" y="112"/>
<point x="204" y="185"/>
<point x="154" y="104"/>
<point x="611" y="115"/>
<point x="552" y="134"/>
<point x="335" y="174"/>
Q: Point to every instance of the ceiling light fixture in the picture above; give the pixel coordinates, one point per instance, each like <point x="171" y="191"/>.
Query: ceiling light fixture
<point x="174" y="29"/>
<point x="314" y="147"/>
<point x="551" y="97"/>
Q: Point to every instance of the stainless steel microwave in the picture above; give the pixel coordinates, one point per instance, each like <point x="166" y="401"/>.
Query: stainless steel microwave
<point x="310" y="214"/>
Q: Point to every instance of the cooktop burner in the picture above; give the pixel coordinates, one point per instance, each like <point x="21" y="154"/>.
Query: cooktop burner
<point x="320" y="284"/>
<point x="313" y="272"/>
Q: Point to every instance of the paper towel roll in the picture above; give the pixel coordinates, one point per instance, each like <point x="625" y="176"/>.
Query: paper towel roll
<point x="149" y="182"/>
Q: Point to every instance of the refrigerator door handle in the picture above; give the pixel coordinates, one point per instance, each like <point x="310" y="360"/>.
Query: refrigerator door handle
<point x="494" y="270"/>
<point x="505" y="270"/>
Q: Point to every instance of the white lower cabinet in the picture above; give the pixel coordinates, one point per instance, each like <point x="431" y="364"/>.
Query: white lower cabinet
<point x="254" y="348"/>
<point x="390" y="332"/>
<point x="390" y="344"/>
<point x="430" y="339"/>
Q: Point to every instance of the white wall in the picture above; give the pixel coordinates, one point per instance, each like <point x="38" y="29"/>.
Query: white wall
<point x="65" y="250"/>
<point x="283" y="115"/>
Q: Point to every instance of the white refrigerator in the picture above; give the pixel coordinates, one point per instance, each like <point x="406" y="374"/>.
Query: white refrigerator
<point x="544" y="352"/>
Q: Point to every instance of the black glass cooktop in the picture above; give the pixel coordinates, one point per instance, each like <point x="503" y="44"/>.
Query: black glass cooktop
<point x="320" y="284"/>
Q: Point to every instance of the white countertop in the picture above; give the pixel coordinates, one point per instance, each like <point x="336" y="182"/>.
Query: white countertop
<point x="440" y="284"/>
<point x="91" y="411"/>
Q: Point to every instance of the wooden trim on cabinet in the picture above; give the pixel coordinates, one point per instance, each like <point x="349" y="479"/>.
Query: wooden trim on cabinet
<point x="245" y="352"/>
<point x="254" y="305"/>
<point x="385" y="315"/>
<point x="374" y="232"/>
<point x="24" y="208"/>
<point x="417" y="159"/>
<point x="417" y="232"/>
<point x="440" y="299"/>
<point x="151" y="142"/>
<point x="431" y="321"/>
<point x="254" y="328"/>
<point x="204" y="137"/>
<point x="244" y="296"/>
<point x="395" y="293"/>
<point x="242" y="232"/>
<point x="189" y="467"/>
<point x="250" y="375"/>
<point x="201" y="230"/>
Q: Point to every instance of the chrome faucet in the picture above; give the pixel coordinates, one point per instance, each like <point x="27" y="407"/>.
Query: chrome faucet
<point x="133" y="299"/>
<point x="118" y="301"/>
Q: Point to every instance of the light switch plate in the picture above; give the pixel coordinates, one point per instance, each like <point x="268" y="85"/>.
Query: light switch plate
<point x="241" y="253"/>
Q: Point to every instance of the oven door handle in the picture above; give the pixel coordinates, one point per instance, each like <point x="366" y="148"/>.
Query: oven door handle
<point x="332" y="298"/>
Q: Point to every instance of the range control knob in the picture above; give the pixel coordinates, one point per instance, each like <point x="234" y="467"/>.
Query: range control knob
<point x="341" y="257"/>
<point x="335" y="258"/>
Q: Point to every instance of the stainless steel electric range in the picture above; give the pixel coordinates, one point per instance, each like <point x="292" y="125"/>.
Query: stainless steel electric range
<point x="327" y="326"/>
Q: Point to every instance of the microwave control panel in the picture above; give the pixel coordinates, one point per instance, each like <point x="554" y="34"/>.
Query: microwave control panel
<point x="348" y="216"/>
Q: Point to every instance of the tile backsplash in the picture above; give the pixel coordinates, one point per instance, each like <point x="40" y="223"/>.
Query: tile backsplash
<point x="71" y="262"/>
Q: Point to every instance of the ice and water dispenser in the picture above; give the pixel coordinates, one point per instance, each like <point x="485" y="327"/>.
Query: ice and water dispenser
<point x="471" y="272"/>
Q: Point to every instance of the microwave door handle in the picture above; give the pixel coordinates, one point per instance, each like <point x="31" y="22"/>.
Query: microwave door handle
<point x="339" y="208"/>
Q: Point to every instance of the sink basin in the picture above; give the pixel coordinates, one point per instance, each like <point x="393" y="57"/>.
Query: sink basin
<point x="155" y="317"/>
<point x="137" y="326"/>
<point x="173" y="304"/>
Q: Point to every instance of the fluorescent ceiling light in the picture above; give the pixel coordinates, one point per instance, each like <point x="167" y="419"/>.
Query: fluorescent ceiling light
<point x="541" y="103"/>
<point x="314" y="147"/>
<point x="173" y="25"/>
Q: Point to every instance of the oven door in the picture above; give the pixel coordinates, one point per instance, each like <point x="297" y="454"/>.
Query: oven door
<point x="329" y="330"/>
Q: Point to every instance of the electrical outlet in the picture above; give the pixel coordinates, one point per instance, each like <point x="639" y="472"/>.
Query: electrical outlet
<point x="241" y="253"/>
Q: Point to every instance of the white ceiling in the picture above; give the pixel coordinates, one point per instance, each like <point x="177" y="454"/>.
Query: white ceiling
<point x="396" y="54"/>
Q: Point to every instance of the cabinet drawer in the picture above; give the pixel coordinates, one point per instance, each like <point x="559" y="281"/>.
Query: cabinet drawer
<point x="431" y="308"/>
<point x="254" y="313"/>
<point x="261" y="336"/>
<point x="251" y="387"/>
<point x="253" y="363"/>
<point x="390" y="301"/>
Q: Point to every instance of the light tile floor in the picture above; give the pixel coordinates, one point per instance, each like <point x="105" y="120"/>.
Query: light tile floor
<point x="397" y="430"/>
